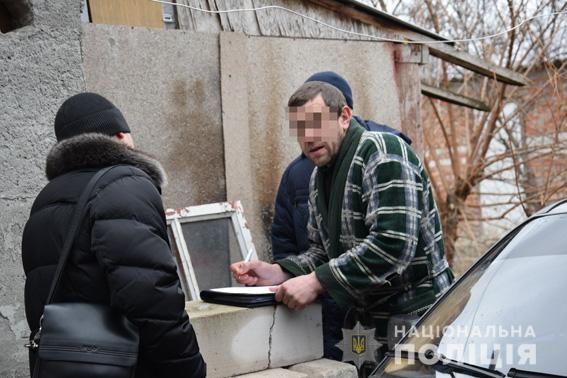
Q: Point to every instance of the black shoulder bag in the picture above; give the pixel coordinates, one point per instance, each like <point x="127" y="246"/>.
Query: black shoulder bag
<point x="83" y="340"/>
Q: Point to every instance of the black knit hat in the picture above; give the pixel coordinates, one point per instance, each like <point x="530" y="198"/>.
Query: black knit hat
<point x="336" y="81"/>
<point x="88" y="113"/>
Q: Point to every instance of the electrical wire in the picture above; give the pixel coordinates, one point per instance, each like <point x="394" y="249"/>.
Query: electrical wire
<point x="378" y="39"/>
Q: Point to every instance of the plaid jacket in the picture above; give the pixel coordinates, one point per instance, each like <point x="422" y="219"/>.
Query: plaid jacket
<point x="394" y="260"/>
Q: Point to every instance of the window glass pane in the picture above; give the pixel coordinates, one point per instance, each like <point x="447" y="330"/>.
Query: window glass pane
<point x="213" y="246"/>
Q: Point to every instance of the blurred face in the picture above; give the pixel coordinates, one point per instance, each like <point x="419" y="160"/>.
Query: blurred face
<point x="319" y="130"/>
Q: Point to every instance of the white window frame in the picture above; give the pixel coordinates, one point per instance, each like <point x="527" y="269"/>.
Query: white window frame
<point x="219" y="210"/>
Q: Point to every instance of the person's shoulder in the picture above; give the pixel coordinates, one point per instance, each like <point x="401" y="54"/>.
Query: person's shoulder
<point x="121" y="171"/>
<point x="298" y="171"/>
<point x="300" y="163"/>
<point x="384" y="139"/>
<point x="381" y="141"/>
<point x="376" y="145"/>
<point x="127" y="192"/>
<point x="127" y="181"/>
<point x="63" y="189"/>
<point x="370" y="125"/>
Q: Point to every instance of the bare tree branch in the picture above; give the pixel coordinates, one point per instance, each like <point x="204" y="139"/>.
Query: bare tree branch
<point x="513" y="158"/>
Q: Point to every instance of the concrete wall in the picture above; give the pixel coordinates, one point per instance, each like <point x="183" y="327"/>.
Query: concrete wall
<point x="256" y="85"/>
<point x="167" y="85"/>
<point x="40" y="65"/>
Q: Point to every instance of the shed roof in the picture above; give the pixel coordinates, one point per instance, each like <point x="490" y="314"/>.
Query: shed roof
<point x="359" y="19"/>
<point x="396" y="20"/>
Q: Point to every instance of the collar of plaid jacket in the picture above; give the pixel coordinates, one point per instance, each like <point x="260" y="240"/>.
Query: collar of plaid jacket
<point x="332" y="215"/>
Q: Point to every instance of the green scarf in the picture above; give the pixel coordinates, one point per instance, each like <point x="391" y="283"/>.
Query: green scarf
<point x="332" y="214"/>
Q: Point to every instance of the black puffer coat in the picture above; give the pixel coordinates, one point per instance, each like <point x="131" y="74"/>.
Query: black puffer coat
<point x="121" y="256"/>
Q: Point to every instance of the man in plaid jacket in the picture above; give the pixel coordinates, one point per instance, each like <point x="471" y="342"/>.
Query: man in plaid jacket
<point x="376" y="244"/>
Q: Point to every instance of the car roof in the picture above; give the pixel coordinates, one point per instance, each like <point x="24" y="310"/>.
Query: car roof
<point x="556" y="208"/>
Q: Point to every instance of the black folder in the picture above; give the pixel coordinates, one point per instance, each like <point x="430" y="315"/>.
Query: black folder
<point x="238" y="299"/>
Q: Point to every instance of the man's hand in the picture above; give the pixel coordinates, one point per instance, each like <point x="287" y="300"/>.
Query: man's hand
<point x="258" y="273"/>
<point x="298" y="292"/>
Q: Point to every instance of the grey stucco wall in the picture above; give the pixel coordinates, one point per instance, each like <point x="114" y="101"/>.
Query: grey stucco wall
<point x="273" y="68"/>
<point x="167" y="84"/>
<point x="40" y="65"/>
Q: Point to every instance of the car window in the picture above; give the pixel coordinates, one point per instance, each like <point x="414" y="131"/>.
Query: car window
<point x="509" y="311"/>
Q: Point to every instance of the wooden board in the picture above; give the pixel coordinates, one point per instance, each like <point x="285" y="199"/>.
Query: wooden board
<point x="126" y="12"/>
<point x="453" y="98"/>
<point x="475" y="64"/>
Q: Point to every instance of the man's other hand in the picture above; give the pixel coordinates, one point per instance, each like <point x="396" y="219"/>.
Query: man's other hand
<point x="298" y="292"/>
<point x="258" y="273"/>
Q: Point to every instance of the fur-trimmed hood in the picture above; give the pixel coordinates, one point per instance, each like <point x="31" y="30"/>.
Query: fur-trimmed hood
<point x="98" y="150"/>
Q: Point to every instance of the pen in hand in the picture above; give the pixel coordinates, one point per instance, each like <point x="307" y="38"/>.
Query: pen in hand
<point x="248" y="256"/>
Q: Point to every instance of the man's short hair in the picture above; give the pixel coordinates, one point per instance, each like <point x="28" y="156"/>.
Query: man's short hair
<point x="333" y="98"/>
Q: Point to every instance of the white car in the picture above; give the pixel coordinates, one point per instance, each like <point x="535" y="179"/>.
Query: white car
<point x="506" y="317"/>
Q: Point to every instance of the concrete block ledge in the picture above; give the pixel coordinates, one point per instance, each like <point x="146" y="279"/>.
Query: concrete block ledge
<point x="236" y="340"/>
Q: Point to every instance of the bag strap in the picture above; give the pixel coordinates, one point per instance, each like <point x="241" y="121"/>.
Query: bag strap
<point x="73" y="230"/>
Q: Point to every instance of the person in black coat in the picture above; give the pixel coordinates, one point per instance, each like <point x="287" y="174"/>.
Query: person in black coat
<point x="122" y="255"/>
<point x="291" y="213"/>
